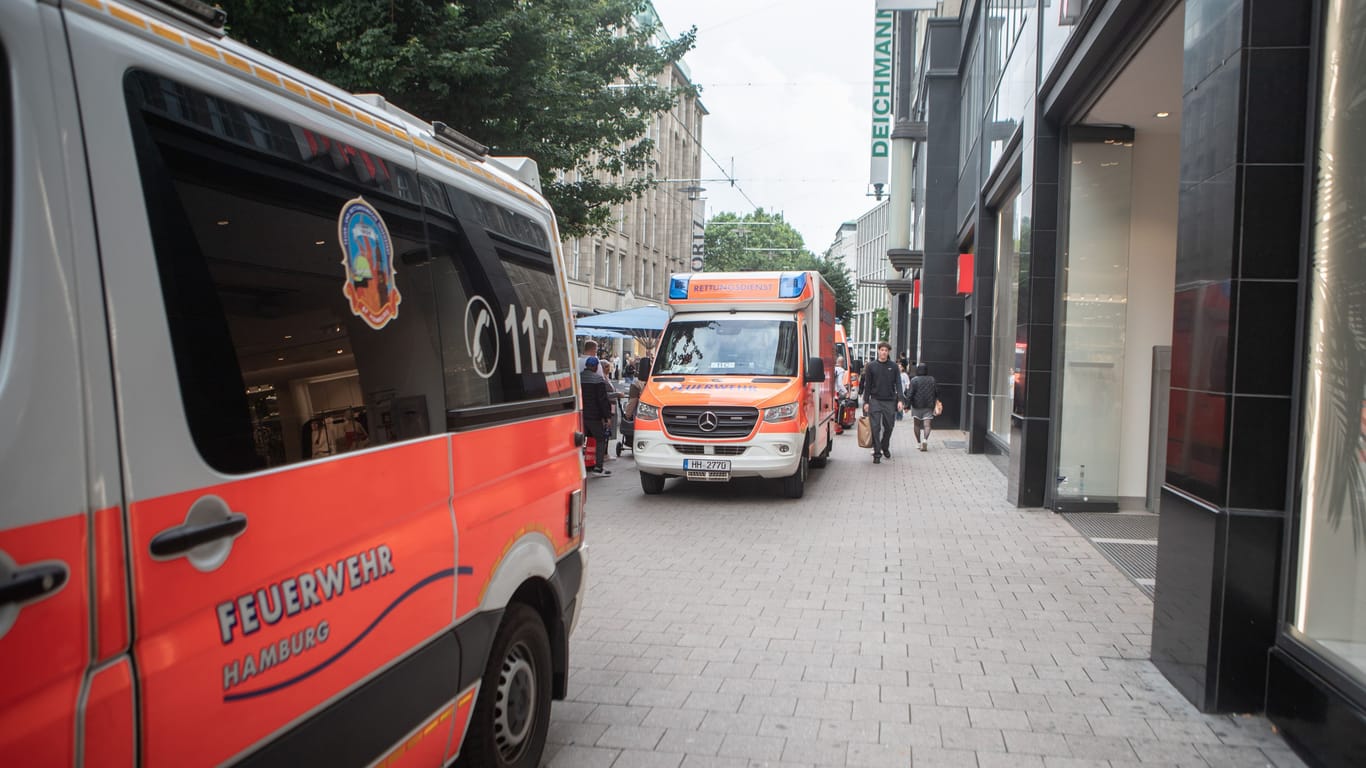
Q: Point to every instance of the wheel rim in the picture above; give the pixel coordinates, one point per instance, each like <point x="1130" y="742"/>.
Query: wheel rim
<point x="514" y="708"/>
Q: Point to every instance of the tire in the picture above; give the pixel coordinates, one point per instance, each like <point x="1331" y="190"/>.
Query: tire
<point x="510" y="720"/>
<point x="794" y="485"/>
<point x="651" y="484"/>
<point x="619" y="449"/>
<point x="820" y="461"/>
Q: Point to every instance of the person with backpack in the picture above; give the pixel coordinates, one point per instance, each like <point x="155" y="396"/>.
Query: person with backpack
<point x="924" y="398"/>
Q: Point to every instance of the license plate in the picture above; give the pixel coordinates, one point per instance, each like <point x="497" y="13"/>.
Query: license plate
<point x="707" y="465"/>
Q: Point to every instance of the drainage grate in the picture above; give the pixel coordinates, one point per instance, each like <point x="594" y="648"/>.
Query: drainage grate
<point x="1139" y="561"/>
<point x="955" y="443"/>
<point x="1112" y="525"/>
<point x="1129" y="541"/>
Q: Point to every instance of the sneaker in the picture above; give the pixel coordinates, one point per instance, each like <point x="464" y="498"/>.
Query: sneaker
<point x="877" y="459"/>
<point x="924" y="446"/>
<point x="601" y="472"/>
<point x="888" y="454"/>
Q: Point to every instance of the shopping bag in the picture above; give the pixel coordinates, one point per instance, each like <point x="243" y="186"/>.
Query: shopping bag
<point x="938" y="408"/>
<point x="865" y="432"/>
<point x="590" y="453"/>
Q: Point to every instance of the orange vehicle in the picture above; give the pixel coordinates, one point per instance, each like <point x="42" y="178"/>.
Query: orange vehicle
<point x="846" y="406"/>
<point x="291" y="434"/>
<point x="742" y="384"/>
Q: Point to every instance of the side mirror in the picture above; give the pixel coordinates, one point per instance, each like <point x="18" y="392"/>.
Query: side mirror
<point x="815" y="370"/>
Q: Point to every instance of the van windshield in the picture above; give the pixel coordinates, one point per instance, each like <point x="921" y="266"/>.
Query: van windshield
<point x="728" y="347"/>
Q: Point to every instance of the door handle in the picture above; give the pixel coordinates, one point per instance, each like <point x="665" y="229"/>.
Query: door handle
<point x="32" y="583"/>
<point x="580" y="439"/>
<point x="179" y="540"/>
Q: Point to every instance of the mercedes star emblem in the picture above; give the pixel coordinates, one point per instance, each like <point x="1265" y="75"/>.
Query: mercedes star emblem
<point x="707" y="421"/>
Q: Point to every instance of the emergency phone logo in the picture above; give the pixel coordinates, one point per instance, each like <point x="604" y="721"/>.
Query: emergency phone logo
<point x="368" y="255"/>
<point x="481" y="336"/>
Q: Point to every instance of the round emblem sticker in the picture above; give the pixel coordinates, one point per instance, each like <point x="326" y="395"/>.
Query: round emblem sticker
<point x="368" y="255"/>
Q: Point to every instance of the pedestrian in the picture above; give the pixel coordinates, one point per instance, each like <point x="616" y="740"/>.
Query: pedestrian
<point x="905" y="385"/>
<point x="881" y="389"/>
<point x="841" y="393"/>
<point x="924" y="396"/>
<point x="642" y="366"/>
<point x="590" y="349"/>
<point x="597" y="412"/>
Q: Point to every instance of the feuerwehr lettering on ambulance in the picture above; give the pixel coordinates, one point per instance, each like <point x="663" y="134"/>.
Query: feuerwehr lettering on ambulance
<point x="247" y="614"/>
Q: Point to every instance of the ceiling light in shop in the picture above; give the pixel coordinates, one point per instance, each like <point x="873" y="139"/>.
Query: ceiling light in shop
<point x="288" y="337"/>
<point x="320" y="242"/>
<point x="1162" y="115"/>
<point x="339" y="351"/>
<point x="223" y="222"/>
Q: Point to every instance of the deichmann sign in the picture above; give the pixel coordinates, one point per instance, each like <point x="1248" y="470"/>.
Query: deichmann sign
<point x="882" y="97"/>
<point x="883" y="29"/>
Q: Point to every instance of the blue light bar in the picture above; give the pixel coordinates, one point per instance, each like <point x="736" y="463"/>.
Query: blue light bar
<point x="678" y="288"/>
<point x="791" y="286"/>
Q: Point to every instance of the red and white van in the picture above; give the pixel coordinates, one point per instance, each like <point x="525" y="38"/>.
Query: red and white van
<point x="743" y="381"/>
<point x="288" y="421"/>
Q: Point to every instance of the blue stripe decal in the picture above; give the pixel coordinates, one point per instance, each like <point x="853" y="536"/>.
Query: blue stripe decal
<point x="435" y="577"/>
<point x="466" y="570"/>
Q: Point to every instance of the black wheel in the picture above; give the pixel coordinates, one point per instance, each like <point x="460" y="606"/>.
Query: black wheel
<point x="511" y="717"/>
<point x="619" y="449"/>
<point x="651" y="484"/>
<point x="821" y="460"/>
<point x="795" y="484"/>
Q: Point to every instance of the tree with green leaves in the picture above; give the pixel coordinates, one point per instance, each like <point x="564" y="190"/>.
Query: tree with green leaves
<point x="882" y="324"/>
<point x="762" y="241"/>
<point x="572" y="84"/>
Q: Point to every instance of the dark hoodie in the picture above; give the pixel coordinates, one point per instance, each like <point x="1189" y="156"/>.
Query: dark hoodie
<point x="596" y="404"/>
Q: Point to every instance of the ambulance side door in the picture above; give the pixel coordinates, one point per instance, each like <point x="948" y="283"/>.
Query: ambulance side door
<point x="278" y="381"/>
<point x="45" y="521"/>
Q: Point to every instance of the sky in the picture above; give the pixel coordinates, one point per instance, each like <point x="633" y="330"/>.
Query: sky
<point x="788" y="85"/>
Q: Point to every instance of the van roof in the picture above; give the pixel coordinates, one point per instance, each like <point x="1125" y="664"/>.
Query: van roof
<point x="186" y="24"/>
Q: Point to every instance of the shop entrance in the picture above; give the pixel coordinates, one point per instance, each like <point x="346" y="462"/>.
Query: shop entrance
<point x="1118" y="282"/>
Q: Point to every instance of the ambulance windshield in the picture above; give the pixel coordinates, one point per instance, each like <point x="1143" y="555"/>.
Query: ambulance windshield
<point x="732" y="347"/>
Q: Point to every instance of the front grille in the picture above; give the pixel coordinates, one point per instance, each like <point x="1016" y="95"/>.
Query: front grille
<point x="728" y="450"/>
<point x="691" y="450"/>
<point x="731" y="421"/>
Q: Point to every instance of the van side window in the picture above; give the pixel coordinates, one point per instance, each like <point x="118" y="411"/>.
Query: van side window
<point x="296" y="280"/>
<point x="6" y="185"/>
<point x="504" y="343"/>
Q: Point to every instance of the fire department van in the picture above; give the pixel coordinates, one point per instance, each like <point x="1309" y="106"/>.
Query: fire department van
<point x="288" y="421"/>
<point x="743" y="381"/>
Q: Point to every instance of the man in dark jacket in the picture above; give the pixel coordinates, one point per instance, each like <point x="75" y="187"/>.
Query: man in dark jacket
<point x="597" y="411"/>
<point x="881" y="390"/>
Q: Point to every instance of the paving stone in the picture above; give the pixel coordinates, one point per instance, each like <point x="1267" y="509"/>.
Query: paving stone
<point x="853" y="628"/>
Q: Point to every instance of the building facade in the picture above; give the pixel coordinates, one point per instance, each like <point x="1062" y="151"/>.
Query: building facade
<point x="870" y="275"/>
<point x="1163" y="204"/>
<point x="654" y="233"/>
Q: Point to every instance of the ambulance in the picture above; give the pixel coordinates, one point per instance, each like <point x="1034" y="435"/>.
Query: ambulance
<point x="742" y="383"/>
<point x="289" y="433"/>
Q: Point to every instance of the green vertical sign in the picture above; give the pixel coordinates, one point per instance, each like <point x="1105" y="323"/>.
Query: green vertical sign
<point x="882" y="96"/>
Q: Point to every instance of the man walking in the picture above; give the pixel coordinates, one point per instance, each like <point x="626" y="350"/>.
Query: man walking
<point x="597" y="412"/>
<point x="881" y="389"/>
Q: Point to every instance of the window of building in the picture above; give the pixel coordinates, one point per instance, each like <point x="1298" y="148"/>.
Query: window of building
<point x="970" y="106"/>
<point x="621" y="270"/>
<point x="578" y="274"/>
<point x="1004" y="350"/>
<point x="599" y="268"/>
<point x="1330" y="593"/>
<point x="609" y="262"/>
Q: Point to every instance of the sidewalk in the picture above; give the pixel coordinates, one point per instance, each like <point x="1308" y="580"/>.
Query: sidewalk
<point x="900" y="614"/>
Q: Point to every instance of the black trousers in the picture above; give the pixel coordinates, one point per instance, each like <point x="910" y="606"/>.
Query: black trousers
<point x="594" y="428"/>
<point x="882" y="414"/>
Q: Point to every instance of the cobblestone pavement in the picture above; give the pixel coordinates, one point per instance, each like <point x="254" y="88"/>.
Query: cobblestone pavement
<point x="899" y="614"/>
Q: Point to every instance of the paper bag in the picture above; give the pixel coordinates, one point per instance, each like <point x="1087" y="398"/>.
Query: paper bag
<point x="865" y="432"/>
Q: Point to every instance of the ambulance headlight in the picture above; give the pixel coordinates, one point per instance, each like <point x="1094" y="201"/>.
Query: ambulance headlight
<point x="646" y="412"/>
<point x="780" y="413"/>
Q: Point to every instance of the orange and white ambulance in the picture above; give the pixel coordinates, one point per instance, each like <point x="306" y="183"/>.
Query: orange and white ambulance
<point x="289" y="432"/>
<point x="743" y="381"/>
